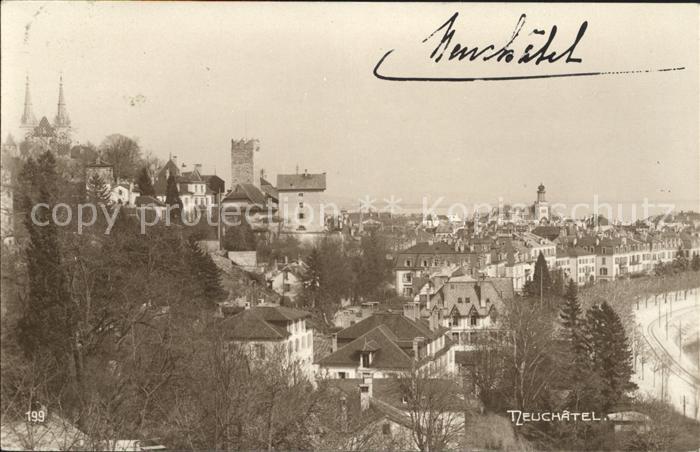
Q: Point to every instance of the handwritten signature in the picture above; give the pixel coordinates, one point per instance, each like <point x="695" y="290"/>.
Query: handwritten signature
<point x="445" y="50"/>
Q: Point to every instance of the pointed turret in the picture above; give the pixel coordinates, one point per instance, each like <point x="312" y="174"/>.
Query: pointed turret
<point x="28" y="119"/>
<point x="62" y="120"/>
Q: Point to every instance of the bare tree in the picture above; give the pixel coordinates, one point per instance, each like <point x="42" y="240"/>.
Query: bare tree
<point x="123" y="153"/>
<point x="532" y="363"/>
<point x="436" y="408"/>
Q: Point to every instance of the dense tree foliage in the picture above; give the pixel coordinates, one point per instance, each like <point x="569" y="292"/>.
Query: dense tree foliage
<point x="144" y="183"/>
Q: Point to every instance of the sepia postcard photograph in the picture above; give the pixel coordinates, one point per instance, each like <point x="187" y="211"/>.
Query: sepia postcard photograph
<point x="325" y="226"/>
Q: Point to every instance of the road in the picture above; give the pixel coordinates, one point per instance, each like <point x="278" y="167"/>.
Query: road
<point x="669" y="374"/>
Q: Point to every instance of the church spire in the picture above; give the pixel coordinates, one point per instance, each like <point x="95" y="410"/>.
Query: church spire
<point x="28" y="120"/>
<point x="62" y="119"/>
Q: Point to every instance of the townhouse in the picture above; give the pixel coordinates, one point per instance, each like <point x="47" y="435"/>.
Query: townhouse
<point x="423" y="258"/>
<point x="577" y="264"/>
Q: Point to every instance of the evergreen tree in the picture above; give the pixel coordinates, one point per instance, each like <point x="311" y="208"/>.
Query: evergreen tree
<point x="240" y="238"/>
<point x="660" y="269"/>
<point x="611" y="358"/>
<point x="541" y="284"/>
<point x="172" y="198"/>
<point x="372" y="270"/>
<point x="583" y="383"/>
<point x="46" y="324"/>
<point x="312" y="278"/>
<point x="558" y="283"/>
<point x="570" y="314"/>
<point x="206" y="273"/>
<point x="144" y="183"/>
<point x="98" y="192"/>
<point x="695" y="263"/>
<point x="680" y="262"/>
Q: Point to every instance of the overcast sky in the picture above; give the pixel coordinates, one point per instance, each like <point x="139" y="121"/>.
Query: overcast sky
<point x="186" y="78"/>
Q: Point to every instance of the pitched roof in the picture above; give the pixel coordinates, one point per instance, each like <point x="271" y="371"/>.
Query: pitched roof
<point x="471" y="295"/>
<point x="44" y="129"/>
<point x="305" y="181"/>
<point x="246" y="192"/>
<point x="379" y="340"/>
<point x="262" y="323"/>
<point x="148" y="201"/>
<point x="268" y="189"/>
<point x="547" y="232"/>
<point x="578" y="251"/>
<point x="403" y="328"/>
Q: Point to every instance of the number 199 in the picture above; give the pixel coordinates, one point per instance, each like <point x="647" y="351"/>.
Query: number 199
<point x="36" y="416"/>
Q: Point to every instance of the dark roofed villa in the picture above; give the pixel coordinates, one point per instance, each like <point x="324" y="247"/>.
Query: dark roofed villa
<point x="386" y="344"/>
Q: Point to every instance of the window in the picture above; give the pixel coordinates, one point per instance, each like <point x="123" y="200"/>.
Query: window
<point x="603" y="261"/>
<point x="468" y="300"/>
<point x="459" y="299"/>
<point x="408" y="262"/>
<point x="301" y="215"/>
<point x="473" y="320"/>
<point x="365" y="359"/>
<point x="386" y="428"/>
<point x="603" y="271"/>
<point x="488" y="300"/>
<point x="286" y="287"/>
<point x="260" y="351"/>
<point x="301" y="195"/>
<point x="342" y="375"/>
<point x="301" y="205"/>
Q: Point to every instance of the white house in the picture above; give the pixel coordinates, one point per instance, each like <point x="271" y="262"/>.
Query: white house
<point x="268" y="329"/>
<point x="301" y="200"/>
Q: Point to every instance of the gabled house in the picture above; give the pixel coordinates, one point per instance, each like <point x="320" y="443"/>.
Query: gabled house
<point x="471" y="307"/>
<point x="387" y="344"/>
<point x="193" y="189"/>
<point x="286" y="279"/>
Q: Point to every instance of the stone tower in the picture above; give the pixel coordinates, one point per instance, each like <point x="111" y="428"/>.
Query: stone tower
<point x="242" y="162"/>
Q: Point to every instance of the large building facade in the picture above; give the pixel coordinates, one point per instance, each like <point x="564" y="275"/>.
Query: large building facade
<point x="301" y="202"/>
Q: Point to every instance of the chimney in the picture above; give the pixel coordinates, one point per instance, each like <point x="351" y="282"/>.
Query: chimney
<point x="365" y="391"/>
<point x="417" y="341"/>
<point x="175" y="160"/>
<point x="410" y="310"/>
<point x="198" y="167"/>
<point x="306" y="172"/>
<point x="433" y="320"/>
<point x="334" y="345"/>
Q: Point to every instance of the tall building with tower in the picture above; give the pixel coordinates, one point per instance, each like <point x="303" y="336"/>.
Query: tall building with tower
<point x="43" y="133"/>
<point x="541" y="209"/>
